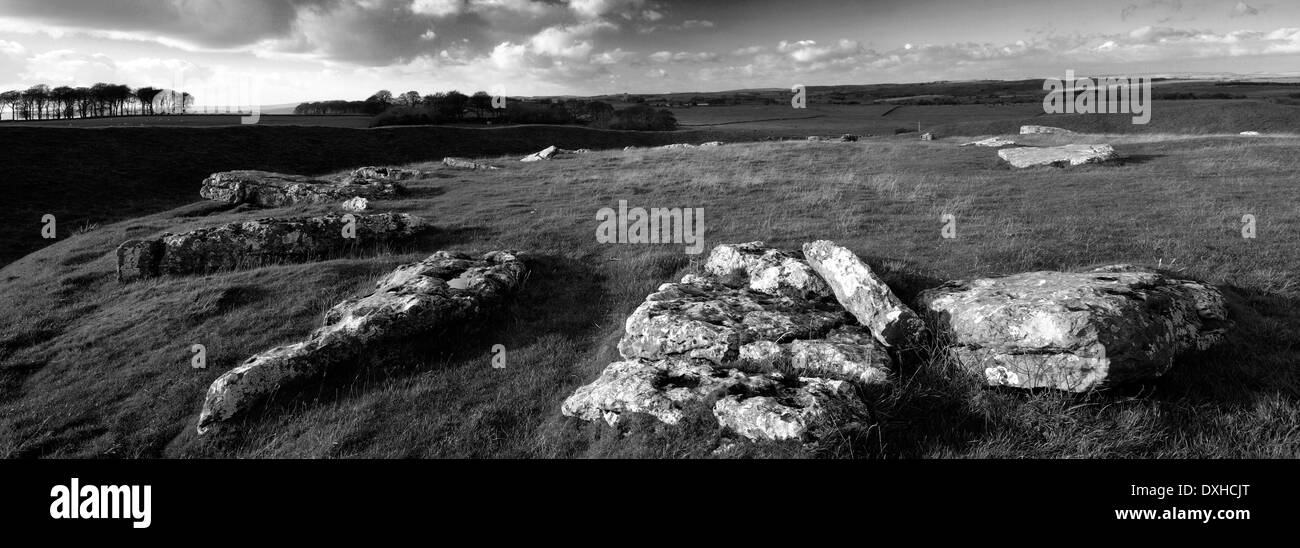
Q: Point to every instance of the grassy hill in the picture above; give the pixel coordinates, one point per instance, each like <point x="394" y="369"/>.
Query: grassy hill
<point x="92" y="368"/>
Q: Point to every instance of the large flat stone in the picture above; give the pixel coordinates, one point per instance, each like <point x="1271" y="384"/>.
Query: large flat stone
<point x="1075" y="331"/>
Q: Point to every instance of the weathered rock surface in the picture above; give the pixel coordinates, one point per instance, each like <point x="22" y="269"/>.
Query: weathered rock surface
<point x="1075" y="331"/>
<point x="465" y="163"/>
<point x="864" y="294"/>
<point x="766" y="270"/>
<point x="1057" y="156"/>
<point x="356" y="204"/>
<point x="990" y="142"/>
<point x="1030" y="130"/>
<point x="708" y="338"/>
<point x="847" y="352"/>
<point x="789" y="413"/>
<point x="384" y="174"/>
<point x="259" y="241"/>
<point x="706" y="319"/>
<point x="712" y="144"/>
<point x="444" y="291"/>
<point x="760" y="407"/>
<point x="675" y="146"/>
<point x="267" y="189"/>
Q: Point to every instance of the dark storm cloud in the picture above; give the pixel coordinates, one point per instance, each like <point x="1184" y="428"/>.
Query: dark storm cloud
<point x="369" y="32"/>
<point x="211" y="23"/>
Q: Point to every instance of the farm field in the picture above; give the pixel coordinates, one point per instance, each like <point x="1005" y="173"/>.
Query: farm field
<point x="93" y="368"/>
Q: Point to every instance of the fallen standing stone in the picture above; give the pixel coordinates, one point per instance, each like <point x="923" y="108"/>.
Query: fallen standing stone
<point x="385" y="173"/>
<point x="1075" y="331"/>
<point x="465" y="163"/>
<point x="993" y="142"/>
<point x="544" y="154"/>
<point x="444" y="291"/>
<point x="251" y="243"/>
<point x="1031" y="130"/>
<point x="864" y="294"/>
<point x="267" y="189"/>
<point x="1073" y="155"/>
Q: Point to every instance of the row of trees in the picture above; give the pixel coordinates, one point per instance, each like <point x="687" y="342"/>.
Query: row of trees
<point x="452" y="105"/>
<point x="41" y="102"/>
<point x="412" y="108"/>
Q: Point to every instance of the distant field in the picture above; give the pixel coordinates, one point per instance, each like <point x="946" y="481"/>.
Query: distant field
<point x="1191" y="116"/>
<point x="785" y="121"/>
<point x="93" y="368"/>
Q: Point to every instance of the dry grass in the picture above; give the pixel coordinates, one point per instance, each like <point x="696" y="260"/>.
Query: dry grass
<point x="92" y="368"/>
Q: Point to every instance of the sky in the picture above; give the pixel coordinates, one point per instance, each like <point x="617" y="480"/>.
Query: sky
<point x="283" y="51"/>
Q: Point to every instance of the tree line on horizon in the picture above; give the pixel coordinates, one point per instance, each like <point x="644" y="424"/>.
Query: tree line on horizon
<point x="412" y="108"/>
<point x="41" y="102"/>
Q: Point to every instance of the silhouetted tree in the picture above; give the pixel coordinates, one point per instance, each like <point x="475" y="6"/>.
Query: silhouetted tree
<point x="481" y="102"/>
<point x="379" y="102"/>
<point x="11" y="99"/>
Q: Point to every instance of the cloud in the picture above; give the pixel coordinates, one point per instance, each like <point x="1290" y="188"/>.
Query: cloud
<point x="1160" y="6"/>
<point x="13" y="58"/>
<point x="211" y="23"/>
<point x="437" y="8"/>
<point x="807" y="51"/>
<point x="593" y="9"/>
<point x="613" y="57"/>
<point x="567" y="41"/>
<point x="1243" y="9"/>
<point x="683" y="57"/>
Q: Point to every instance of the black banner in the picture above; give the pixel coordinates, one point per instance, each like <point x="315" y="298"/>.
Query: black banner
<point x="326" y="498"/>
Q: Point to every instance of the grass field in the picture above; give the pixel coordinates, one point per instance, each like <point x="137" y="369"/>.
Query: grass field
<point x="89" y="367"/>
<point x="94" y="176"/>
<point x="107" y="174"/>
